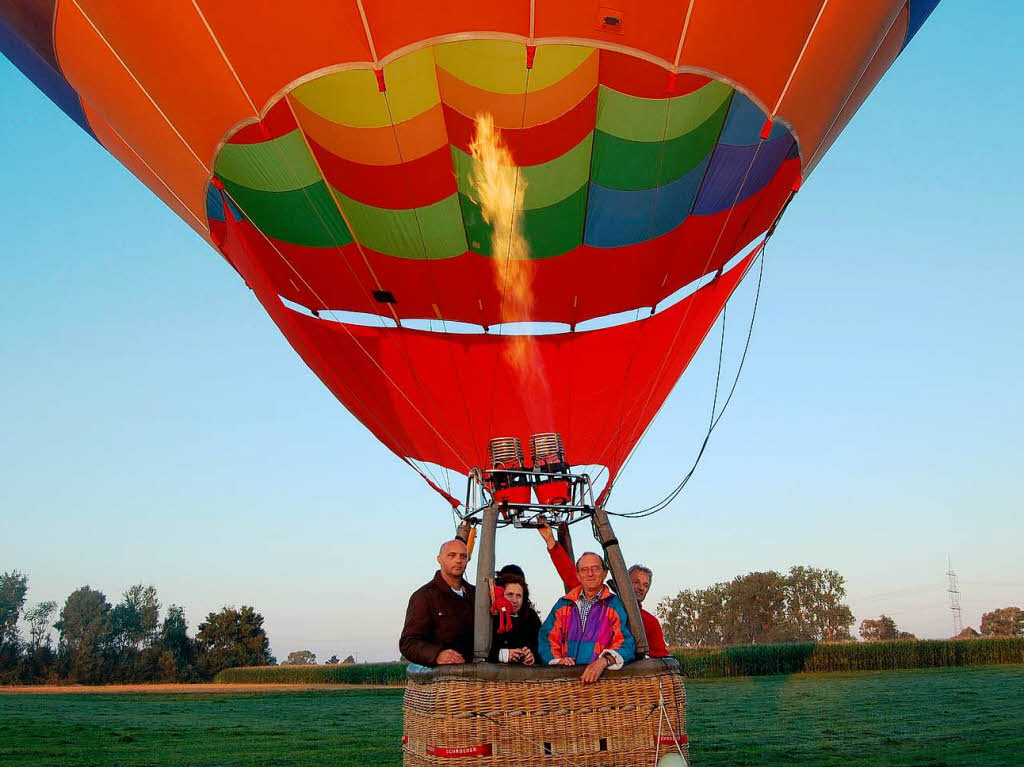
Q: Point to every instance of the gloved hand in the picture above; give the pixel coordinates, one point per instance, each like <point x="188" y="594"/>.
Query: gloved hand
<point x="501" y="607"/>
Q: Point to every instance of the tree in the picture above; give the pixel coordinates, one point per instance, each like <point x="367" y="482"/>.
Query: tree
<point x="1006" y="621"/>
<point x="332" y="661"/>
<point x="804" y="605"/>
<point x="348" y="661"/>
<point x="40" y="619"/>
<point x="13" y="588"/>
<point x="755" y="609"/>
<point x="135" y="620"/>
<point x="84" y="628"/>
<point x="694" y="617"/>
<point x="232" y="638"/>
<point x="814" y="605"/>
<point x="882" y="629"/>
<point x="967" y="633"/>
<point x="301" y="658"/>
<point x="177" y="660"/>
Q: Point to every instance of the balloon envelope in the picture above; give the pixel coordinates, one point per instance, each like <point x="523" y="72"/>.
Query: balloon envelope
<point x="331" y="152"/>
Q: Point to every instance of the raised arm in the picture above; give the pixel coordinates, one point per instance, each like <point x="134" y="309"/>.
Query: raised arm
<point x="560" y="559"/>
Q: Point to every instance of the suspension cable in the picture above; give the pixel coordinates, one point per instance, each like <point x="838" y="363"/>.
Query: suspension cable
<point x="715" y="419"/>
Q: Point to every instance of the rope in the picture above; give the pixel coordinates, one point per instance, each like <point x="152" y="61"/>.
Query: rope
<point x="713" y="423"/>
<point x="654" y="382"/>
<point x="345" y="327"/>
<point x="446" y="426"/>
<point x="638" y="328"/>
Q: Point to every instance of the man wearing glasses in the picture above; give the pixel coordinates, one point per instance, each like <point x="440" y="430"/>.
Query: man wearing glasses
<point x="588" y="625"/>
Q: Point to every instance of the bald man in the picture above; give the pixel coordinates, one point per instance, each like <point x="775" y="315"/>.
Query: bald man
<point x="439" y="620"/>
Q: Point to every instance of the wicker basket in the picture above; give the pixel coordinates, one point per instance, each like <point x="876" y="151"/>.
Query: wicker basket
<point x="509" y="716"/>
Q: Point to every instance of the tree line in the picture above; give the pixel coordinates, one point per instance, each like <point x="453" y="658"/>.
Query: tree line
<point x="130" y="641"/>
<point x="804" y="605"/>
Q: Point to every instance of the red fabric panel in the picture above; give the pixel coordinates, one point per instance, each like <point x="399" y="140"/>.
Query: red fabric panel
<point x="412" y="184"/>
<point x="277" y="122"/>
<point x="536" y="145"/>
<point x="637" y="77"/>
<point x="439" y="397"/>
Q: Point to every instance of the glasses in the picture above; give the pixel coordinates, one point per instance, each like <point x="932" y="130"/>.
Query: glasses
<point x="591" y="570"/>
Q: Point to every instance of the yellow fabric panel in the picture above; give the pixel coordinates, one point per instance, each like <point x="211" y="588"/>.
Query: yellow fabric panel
<point x="417" y="137"/>
<point x="499" y="66"/>
<point x="352" y="97"/>
<point x="508" y="108"/>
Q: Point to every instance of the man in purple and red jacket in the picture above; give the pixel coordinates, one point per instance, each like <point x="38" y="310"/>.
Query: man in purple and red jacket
<point x="588" y="625"/>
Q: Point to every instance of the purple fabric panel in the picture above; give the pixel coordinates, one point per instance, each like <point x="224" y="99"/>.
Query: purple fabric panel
<point x="721" y="189"/>
<point x="32" y="21"/>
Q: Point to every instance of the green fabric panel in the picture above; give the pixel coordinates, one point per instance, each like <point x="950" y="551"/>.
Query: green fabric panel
<point x="556" y="179"/>
<point x="622" y="164"/>
<point x="547" y="183"/>
<point x="279" y="165"/>
<point x="558" y="228"/>
<point x="639" y="119"/>
<point x="551" y="231"/>
<point x="305" y="216"/>
<point x="431" y="232"/>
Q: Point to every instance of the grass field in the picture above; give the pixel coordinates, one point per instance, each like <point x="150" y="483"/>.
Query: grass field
<point x="955" y="716"/>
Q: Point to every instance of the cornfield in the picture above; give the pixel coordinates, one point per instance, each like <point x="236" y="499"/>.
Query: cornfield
<point x="759" y="660"/>
<point x="362" y="673"/>
<point x="703" y="662"/>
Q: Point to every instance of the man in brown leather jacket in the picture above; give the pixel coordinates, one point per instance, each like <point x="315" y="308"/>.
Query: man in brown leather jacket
<point x="439" y="620"/>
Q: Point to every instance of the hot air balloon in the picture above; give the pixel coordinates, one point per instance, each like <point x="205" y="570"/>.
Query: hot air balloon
<point x="497" y="232"/>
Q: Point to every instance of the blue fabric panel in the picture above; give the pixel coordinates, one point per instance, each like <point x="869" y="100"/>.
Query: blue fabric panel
<point x="721" y="189"/>
<point x="744" y="122"/>
<point x="616" y="217"/>
<point x="215" y="208"/>
<point x="42" y="75"/>
<point x="919" y="11"/>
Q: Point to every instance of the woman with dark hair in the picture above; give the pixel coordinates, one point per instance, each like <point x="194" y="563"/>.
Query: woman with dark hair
<point x="519" y="645"/>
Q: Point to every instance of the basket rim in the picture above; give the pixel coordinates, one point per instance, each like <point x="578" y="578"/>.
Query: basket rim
<point x="503" y="672"/>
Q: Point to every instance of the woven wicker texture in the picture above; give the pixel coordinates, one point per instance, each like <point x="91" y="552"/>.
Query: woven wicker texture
<point x="550" y="720"/>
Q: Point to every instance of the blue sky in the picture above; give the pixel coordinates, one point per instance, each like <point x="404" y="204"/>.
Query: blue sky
<point x="157" y="428"/>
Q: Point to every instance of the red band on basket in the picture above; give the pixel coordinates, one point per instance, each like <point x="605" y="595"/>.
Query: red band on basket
<point x="668" y="740"/>
<point x="457" y="751"/>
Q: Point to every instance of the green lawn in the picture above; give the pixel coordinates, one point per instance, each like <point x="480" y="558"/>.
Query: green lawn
<point x="953" y="716"/>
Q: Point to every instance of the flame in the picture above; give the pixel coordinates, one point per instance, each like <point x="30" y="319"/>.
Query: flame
<point x="500" y="190"/>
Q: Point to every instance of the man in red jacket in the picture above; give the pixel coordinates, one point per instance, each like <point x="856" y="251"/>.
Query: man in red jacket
<point x="639" y="575"/>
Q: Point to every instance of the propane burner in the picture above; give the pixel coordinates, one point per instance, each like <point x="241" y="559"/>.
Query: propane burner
<point x="505" y="453"/>
<point x="548" y="455"/>
<point x="511" y="486"/>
